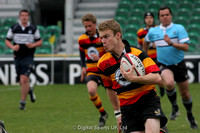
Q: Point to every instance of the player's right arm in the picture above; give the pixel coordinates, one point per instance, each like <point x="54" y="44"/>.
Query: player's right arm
<point x="8" y="41"/>
<point x="82" y="57"/>
<point x="11" y="46"/>
<point x="83" y="65"/>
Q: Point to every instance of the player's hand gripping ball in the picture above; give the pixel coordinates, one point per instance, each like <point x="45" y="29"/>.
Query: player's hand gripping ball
<point x="128" y="60"/>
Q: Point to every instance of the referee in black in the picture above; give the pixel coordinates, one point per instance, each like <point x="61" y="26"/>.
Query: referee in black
<point x="25" y="38"/>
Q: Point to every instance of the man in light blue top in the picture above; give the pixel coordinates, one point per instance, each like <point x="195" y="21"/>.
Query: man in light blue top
<point x="171" y="40"/>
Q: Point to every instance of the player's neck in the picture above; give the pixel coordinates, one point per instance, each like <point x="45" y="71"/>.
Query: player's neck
<point x="119" y="50"/>
<point x="25" y="24"/>
<point x="149" y="26"/>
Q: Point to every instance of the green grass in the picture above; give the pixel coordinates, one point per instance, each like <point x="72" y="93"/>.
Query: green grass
<point x="67" y="109"/>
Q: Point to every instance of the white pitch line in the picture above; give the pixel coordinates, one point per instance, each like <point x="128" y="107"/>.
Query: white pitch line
<point x="9" y="89"/>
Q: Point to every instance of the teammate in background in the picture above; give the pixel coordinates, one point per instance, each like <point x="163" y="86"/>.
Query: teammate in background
<point x="171" y="41"/>
<point x="25" y="37"/>
<point x="149" y="22"/>
<point x="91" y="48"/>
<point x="139" y="104"/>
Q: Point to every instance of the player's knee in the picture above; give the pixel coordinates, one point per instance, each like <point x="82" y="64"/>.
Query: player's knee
<point x="92" y="91"/>
<point x="185" y="96"/>
<point x="170" y="85"/>
<point x="24" y="80"/>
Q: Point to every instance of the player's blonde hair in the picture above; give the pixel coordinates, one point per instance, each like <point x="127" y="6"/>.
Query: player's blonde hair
<point x="110" y="24"/>
<point x="89" y="17"/>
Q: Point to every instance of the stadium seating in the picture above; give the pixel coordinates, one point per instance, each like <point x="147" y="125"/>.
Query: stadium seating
<point x="135" y="21"/>
<point x="194" y="41"/>
<point x="172" y="4"/>
<point x="42" y="51"/>
<point x="2" y="47"/>
<point x="195" y="20"/>
<point x="191" y="1"/>
<point x="2" y="37"/>
<point x="8" y="51"/>
<point x="54" y="29"/>
<point x="196" y="4"/>
<point x="155" y="2"/>
<point x="122" y="21"/>
<point x="4" y="29"/>
<point x="192" y="48"/>
<point x="153" y="6"/>
<point x="45" y="48"/>
<point x="9" y="21"/>
<point x="42" y="30"/>
<point x="181" y="20"/>
<point x="194" y="36"/>
<point x="130" y="37"/>
<point x="1" y="22"/>
<point x="137" y="13"/>
<point x="46" y="45"/>
<point x="186" y="5"/>
<point x="193" y="26"/>
<point x="193" y="29"/>
<point x="185" y="12"/>
<point x="125" y="4"/>
<point x="140" y="5"/>
<point x="131" y="28"/>
<point x="122" y="12"/>
<point x="196" y="12"/>
<point x="47" y="36"/>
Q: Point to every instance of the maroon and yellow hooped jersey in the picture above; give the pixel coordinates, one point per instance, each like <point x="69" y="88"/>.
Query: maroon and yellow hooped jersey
<point x="140" y="37"/>
<point x="88" y="46"/>
<point x="128" y="92"/>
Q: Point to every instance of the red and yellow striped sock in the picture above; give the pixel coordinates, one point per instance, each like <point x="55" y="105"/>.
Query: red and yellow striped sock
<point x="97" y="102"/>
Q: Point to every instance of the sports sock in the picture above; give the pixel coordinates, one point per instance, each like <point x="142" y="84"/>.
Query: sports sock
<point x="22" y="102"/>
<point x="22" y="105"/>
<point x="162" y="91"/>
<point x="172" y="96"/>
<point x="188" y="105"/>
<point x="97" y="102"/>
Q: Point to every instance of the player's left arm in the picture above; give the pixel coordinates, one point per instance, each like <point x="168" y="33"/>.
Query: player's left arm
<point x="183" y="38"/>
<point x="38" y="40"/>
<point x="145" y="46"/>
<point x="180" y="46"/>
<point x="150" y="78"/>
<point x="35" y="44"/>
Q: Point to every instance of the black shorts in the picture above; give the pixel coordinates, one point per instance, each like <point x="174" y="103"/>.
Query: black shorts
<point x="95" y="78"/>
<point x="134" y="116"/>
<point x="179" y="70"/>
<point x="24" y="66"/>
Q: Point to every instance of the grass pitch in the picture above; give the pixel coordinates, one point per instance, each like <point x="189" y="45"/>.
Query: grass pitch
<point x="67" y="109"/>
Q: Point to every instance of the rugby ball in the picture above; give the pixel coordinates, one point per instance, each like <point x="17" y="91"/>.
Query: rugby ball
<point x="128" y="60"/>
